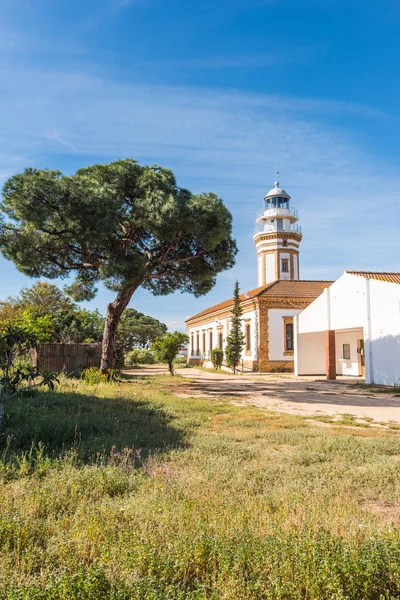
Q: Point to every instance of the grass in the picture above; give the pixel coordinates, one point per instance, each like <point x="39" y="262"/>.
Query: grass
<point x="127" y="491"/>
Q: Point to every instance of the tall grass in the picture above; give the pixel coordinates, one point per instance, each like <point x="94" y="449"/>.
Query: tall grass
<point x="127" y="491"/>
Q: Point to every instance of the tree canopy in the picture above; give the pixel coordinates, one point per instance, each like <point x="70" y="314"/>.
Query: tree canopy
<point x="167" y="347"/>
<point x="136" y="330"/>
<point x="123" y="224"/>
<point x="46" y="311"/>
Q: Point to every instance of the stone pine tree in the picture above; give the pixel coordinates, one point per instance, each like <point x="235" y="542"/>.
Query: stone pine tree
<point x="235" y="339"/>
<point x="121" y="224"/>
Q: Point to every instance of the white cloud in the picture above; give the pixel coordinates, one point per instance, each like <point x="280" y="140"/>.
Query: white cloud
<point x="224" y="141"/>
<point x="54" y="134"/>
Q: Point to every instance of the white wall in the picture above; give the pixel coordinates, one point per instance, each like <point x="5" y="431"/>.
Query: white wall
<point x="260" y="269"/>
<point x="276" y="332"/>
<point x="384" y="351"/>
<point x="353" y="365"/>
<point x="314" y="317"/>
<point x="356" y="302"/>
<point x="215" y="325"/>
<point x="270" y="267"/>
<point x="346" y="300"/>
<point x="310" y="354"/>
<point x="295" y="259"/>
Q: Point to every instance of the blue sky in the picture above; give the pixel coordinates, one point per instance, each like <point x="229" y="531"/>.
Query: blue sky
<point x="220" y="92"/>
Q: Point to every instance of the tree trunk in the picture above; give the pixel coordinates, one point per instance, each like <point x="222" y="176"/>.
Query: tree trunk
<point x="2" y="406"/>
<point x="114" y="312"/>
<point x="171" y="367"/>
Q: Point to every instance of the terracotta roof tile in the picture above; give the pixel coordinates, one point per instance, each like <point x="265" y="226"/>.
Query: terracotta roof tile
<point x="275" y="289"/>
<point x="296" y="289"/>
<point x="380" y="276"/>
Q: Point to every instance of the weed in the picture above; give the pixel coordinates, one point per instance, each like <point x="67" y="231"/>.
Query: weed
<point x="127" y="492"/>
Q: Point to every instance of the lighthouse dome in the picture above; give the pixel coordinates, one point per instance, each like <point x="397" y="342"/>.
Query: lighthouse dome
<point x="277" y="191"/>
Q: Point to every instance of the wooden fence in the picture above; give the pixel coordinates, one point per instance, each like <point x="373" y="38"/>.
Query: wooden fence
<point x="71" y="358"/>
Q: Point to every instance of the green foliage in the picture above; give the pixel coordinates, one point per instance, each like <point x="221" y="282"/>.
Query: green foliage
<point x="78" y="325"/>
<point x="112" y="223"/>
<point x="122" y="224"/>
<point x="139" y="494"/>
<point x="180" y="360"/>
<point x="140" y="356"/>
<point x="42" y="298"/>
<point x="16" y="374"/>
<point x="167" y="347"/>
<point x="93" y="376"/>
<point x="235" y="339"/>
<point x="46" y="311"/>
<point x="136" y="330"/>
<point x="40" y="326"/>
<point x="217" y="357"/>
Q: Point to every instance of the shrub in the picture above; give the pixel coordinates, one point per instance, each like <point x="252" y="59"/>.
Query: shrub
<point x="139" y="356"/>
<point x="17" y="375"/>
<point x="180" y="360"/>
<point x="217" y="356"/>
<point x="281" y="369"/>
<point x="93" y="375"/>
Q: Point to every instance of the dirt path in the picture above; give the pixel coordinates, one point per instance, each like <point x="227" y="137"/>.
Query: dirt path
<point x="289" y="394"/>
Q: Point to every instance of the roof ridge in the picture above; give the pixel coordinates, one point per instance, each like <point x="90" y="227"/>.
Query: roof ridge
<point x="378" y="272"/>
<point x="387" y="276"/>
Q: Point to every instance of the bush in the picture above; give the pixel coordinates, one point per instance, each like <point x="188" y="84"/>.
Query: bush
<point x="93" y="375"/>
<point x="281" y="369"/>
<point x="180" y="360"/>
<point x="139" y="356"/>
<point x="217" y="356"/>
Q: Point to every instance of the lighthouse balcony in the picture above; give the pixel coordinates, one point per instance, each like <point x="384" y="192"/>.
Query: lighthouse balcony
<point x="277" y="227"/>
<point x="273" y="212"/>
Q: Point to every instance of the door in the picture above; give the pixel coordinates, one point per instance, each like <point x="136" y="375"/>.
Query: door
<point x="361" y="355"/>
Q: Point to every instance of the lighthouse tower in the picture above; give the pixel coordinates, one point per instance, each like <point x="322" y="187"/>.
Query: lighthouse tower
<point x="277" y="238"/>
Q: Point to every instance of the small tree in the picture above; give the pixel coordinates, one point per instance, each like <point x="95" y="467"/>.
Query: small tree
<point x="15" y="343"/>
<point x="167" y="347"/>
<point x="217" y="356"/>
<point x="235" y="339"/>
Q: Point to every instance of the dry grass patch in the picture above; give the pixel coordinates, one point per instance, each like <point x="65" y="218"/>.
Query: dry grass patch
<point x="127" y="492"/>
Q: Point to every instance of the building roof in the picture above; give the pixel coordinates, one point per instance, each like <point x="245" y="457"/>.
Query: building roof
<point x="380" y="276"/>
<point x="277" y="191"/>
<point x="275" y="289"/>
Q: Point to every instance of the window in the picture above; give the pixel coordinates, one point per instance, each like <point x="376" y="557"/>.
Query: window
<point x="346" y="351"/>
<point x="248" y="337"/>
<point x="289" y="344"/>
<point x="285" y="265"/>
<point x="192" y="344"/>
<point x="204" y="342"/>
<point x="211" y="340"/>
<point x="198" y="344"/>
<point x="284" y="243"/>
<point x="220" y="341"/>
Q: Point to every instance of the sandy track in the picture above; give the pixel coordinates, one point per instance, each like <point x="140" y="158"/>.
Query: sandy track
<point x="289" y="394"/>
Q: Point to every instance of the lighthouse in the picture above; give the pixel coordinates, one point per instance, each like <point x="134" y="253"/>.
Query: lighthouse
<point x="277" y="238"/>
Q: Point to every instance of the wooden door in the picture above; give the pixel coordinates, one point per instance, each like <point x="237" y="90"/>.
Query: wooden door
<point x="361" y="354"/>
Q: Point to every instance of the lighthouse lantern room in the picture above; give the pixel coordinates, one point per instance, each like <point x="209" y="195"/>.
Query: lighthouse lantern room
<point x="277" y="238"/>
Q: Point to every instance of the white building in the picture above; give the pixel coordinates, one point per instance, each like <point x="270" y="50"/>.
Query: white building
<point x="353" y="328"/>
<point x="268" y="310"/>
